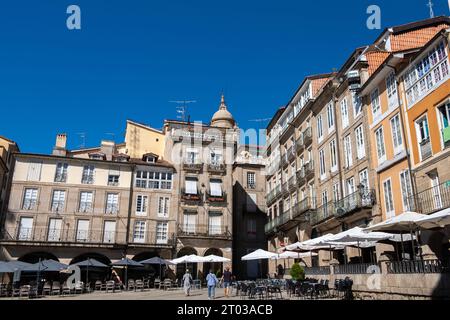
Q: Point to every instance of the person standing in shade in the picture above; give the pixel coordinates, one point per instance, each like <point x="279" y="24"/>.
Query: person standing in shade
<point x="226" y="278"/>
<point x="211" y="281"/>
<point x="187" y="281"/>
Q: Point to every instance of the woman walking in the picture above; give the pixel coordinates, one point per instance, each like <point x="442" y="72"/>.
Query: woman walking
<point x="211" y="280"/>
<point x="187" y="281"/>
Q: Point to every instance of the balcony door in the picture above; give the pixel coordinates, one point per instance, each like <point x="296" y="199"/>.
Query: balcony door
<point x="82" y="231"/>
<point x="54" y="230"/>
<point x="444" y="122"/>
<point x="109" y="232"/>
<point x="215" y="223"/>
<point x="189" y="222"/>
<point x="191" y="186"/>
<point x="436" y="192"/>
<point x="25" y="229"/>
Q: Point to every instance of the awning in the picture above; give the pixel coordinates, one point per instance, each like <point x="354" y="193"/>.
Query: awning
<point x="260" y="255"/>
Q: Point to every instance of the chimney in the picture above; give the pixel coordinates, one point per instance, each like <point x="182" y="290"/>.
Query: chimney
<point x="60" y="145"/>
<point x="108" y="148"/>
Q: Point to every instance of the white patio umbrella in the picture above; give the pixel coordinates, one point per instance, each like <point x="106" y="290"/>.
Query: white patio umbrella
<point x="189" y="259"/>
<point x="295" y="255"/>
<point x="312" y="244"/>
<point x="214" y="258"/>
<point x="403" y="223"/>
<point x="436" y="220"/>
<point x="260" y="255"/>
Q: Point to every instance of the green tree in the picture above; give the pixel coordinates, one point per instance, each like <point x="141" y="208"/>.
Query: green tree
<point x="297" y="272"/>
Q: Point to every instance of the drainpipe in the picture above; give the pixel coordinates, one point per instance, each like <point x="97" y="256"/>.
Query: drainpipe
<point x="130" y="209"/>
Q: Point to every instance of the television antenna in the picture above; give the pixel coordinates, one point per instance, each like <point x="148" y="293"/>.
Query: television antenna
<point x="82" y="137"/>
<point x="182" y="108"/>
<point x="430" y="5"/>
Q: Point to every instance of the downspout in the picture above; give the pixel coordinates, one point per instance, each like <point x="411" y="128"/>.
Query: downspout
<point x="130" y="208"/>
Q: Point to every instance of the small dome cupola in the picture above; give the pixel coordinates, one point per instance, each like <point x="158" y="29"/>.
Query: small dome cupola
<point x="223" y="118"/>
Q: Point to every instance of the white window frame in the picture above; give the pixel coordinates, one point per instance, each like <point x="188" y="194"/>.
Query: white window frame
<point x="344" y="113"/>
<point x="406" y="188"/>
<point x="397" y="137"/>
<point x="58" y="200"/>
<point x="162" y="232"/>
<point x="139" y="231"/>
<point x="360" y="143"/>
<point x="30" y="199"/>
<point x="420" y="139"/>
<point x="163" y="207"/>
<point x="381" y="147"/>
<point x="364" y="176"/>
<point x="330" y="117"/>
<point x="357" y="105"/>
<point x="112" y="203"/>
<point x="86" y="206"/>
<point x="54" y="230"/>
<point x="388" y="197"/>
<point x="25" y="229"/>
<point x="142" y="205"/>
<point x="251" y="180"/>
<point x="61" y="172"/>
<point x="333" y="155"/>
<point x="392" y="91"/>
<point x="109" y="235"/>
<point x="375" y="104"/>
<point x="348" y="154"/>
<point x="322" y="166"/>
<point x="319" y="128"/>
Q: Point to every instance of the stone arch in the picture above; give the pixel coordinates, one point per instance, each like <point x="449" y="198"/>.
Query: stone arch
<point x="215" y="266"/>
<point x="91" y="255"/>
<point x="145" y="255"/>
<point x="181" y="267"/>
<point x="33" y="257"/>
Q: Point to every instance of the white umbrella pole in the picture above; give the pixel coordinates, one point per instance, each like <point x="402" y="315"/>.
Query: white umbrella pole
<point x="403" y="246"/>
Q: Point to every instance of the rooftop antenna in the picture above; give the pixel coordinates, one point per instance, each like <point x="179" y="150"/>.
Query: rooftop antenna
<point x="182" y="108"/>
<point x="82" y="136"/>
<point x="430" y="5"/>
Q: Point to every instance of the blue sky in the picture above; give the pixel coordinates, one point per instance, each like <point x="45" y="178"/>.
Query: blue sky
<point x="132" y="57"/>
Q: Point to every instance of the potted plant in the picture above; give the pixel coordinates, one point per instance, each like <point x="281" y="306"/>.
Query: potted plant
<point x="297" y="272"/>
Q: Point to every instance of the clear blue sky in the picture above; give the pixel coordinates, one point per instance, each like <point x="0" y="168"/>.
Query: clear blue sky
<point x="132" y="57"/>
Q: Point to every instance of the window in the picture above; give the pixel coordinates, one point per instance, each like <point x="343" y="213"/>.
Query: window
<point x="396" y="134"/>
<point x="189" y="222"/>
<point x="388" y="200"/>
<point x="109" y="231"/>
<point x="113" y="177"/>
<point x="364" y="179"/>
<point x="191" y="156"/>
<point x="61" y="172"/>
<point x="427" y="74"/>
<point x="376" y="107"/>
<point x="324" y="198"/>
<point x="215" y="223"/>
<point x="423" y="137"/>
<point x="360" y="146"/>
<point x="330" y="117"/>
<point x="333" y="155"/>
<point x="251" y="228"/>
<point x="86" y="201"/>
<point x="141" y="205"/>
<point x="139" y="231"/>
<point x="191" y="185"/>
<point x="348" y="151"/>
<point x="350" y="184"/>
<point x="25" y="229"/>
<point x="88" y="175"/>
<point x="436" y="191"/>
<point x="54" y="230"/>
<point x="162" y="232"/>
<point x="405" y="183"/>
<point x="251" y="202"/>
<point x="391" y="86"/>
<point x="344" y="113"/>
<point x="150" y="159"/>
<point x="30" y="199"/>
<point x="381" y="151"/>
<point x="251" y="180"/>
<point x="154" y="180"/>
<point x="216" y="187"/>
<point x="58" y="200"/>
<point x="323" y="172"/>
<point x="112" y="203"/>
<point x="357" y="104"/>
<point x="163" y="206"/>
<point x="319" y="128"/>
<point x="82" y="231"/>
<point x="336" y="194"/>
<point x="34" y="171"/>
<point x="216" y="157"/>
<point x="444" y="122"/>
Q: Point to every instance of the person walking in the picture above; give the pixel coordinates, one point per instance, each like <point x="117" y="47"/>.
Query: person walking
<point x="211" y="281"/>
<point x="226" y="278"/>
<point x="187" y="281"/>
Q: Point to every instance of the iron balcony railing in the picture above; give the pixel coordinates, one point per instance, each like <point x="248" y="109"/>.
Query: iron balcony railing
<point x="74" y="236"/>
<point x="309" y="168"/>
<point x="61" y="177"/>
<point x="307" y="136"/>
<point x="431" y="200"/>
<point x="302" y="206"/>
<point x="217" y="167"/>
<point x="278" y="221"/>
<point x="357" y="268"/>
<point x="425" y="149"/>
<point x="324" y="270"/>
<point x="216" y="199"/>
<point x="322" y="213"/>
<point x="285" y="188"/>
<point x="273" y="195"/>
<point x="291" y="154"/>
<point x="418" y="266"/>
<point x="357" y="200"/>
<point x="191" y="198"/>
<point x="300" y="143"/>
<point x="301" y="177"/>
<point x="192" y="165"/>
<point x="204" y="230"/>
<point x="87" y="179"/>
